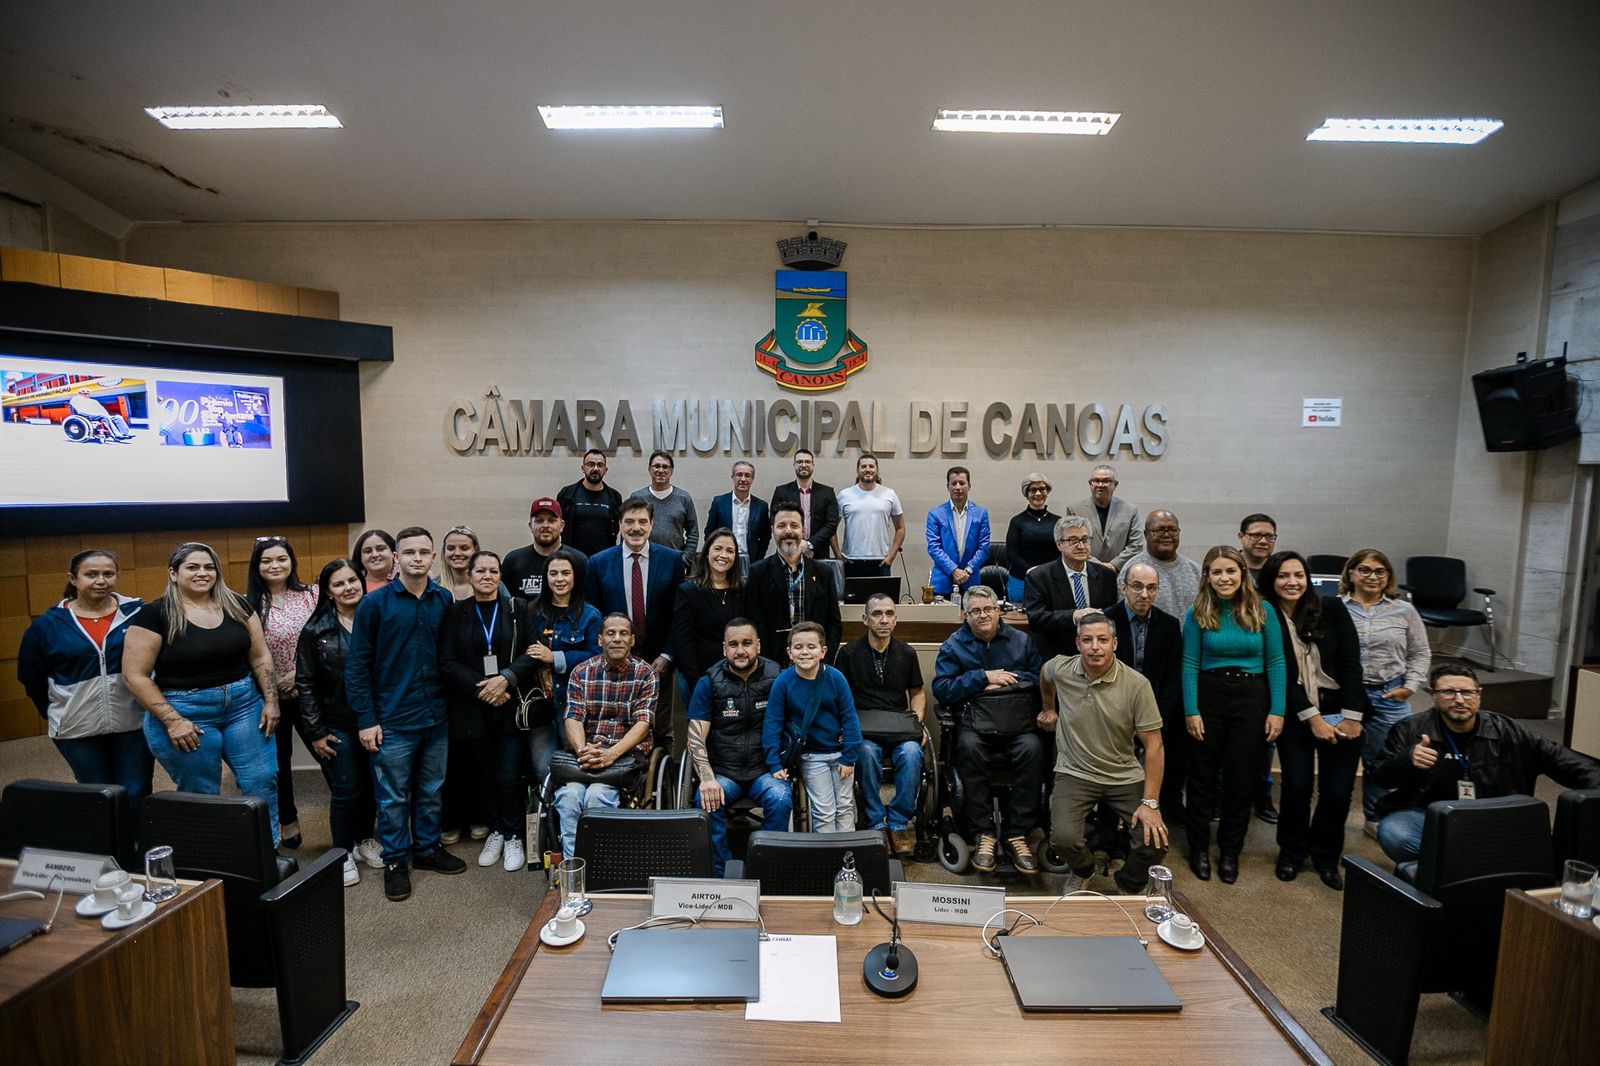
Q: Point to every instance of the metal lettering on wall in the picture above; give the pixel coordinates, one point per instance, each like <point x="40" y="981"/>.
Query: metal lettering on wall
<point x="506" y="426"/>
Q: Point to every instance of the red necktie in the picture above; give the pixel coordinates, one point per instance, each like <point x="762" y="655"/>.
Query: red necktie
<point x="636" y="604"/>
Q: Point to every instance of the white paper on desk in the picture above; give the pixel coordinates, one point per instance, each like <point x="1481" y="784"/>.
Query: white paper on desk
<point x="799" y="980"/>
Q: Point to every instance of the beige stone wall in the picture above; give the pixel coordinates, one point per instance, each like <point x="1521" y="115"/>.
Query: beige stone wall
<point x="1228" y="330"/>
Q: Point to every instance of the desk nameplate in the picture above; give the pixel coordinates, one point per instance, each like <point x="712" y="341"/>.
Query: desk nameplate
<point x="37" y="868"/>
<point x="947" y="904"/>
<point x="708" y="900"/>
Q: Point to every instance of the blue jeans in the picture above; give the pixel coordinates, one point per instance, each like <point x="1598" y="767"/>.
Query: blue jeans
<point x="407" y="774"/>
<point x="832" y="798"/>
<point x="1400" y="834"/>
<point x="112" y="759"/>
<point x="571" y="800"/>
<point x="907" y="756"/>
<point x="770" y="794"/>
<point x="229" y="720"/>
<point x="1375" y="734"/>
<point x="351" y="807"/>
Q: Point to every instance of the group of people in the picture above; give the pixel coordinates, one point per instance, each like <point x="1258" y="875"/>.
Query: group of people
<point x="1143" y="699"/>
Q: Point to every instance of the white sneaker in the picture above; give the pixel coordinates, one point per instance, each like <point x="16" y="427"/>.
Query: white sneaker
<point x="352" y="872"/>
<point x="478" y="832"/>
<point x="450" y="836"/>
<point x="371" y="853"/>
<point x="491" y="850"/>
<point x="516" y="858"/>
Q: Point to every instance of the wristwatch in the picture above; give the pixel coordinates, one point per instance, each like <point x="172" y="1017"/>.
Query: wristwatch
<point x="1154" y="805"/>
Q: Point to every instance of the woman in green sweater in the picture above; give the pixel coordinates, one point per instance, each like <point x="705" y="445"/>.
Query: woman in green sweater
<point x="1233" y="686"/>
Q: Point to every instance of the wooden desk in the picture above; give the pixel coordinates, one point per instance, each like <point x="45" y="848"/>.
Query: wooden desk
<point x="919" y="623"/>
<point x="546" y="1005"/>
<point x="156" y="992"/>
<point x="1547" y="986"/>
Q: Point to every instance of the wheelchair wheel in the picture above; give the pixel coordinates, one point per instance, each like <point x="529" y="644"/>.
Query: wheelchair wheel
<point x="76" y="428"/>
<point x="685" y="785"/>
<point x="1050" y="861"/>
<point x="664" y="789"/>
<point x="954" y="853"/>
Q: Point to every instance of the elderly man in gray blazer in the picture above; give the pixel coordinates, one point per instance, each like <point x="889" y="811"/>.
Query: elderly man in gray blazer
<point x="1113" y="522"/>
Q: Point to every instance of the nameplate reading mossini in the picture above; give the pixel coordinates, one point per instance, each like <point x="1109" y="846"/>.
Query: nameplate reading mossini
<point x="722" y="901"/>
<point x="37" y="868"/>
<point x="947" y="904"/>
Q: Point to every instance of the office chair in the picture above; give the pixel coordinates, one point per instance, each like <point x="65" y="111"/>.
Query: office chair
<point x="1442" y="933"/>
<point x="1325" y="564"/>
<point x="805" y="864"/>
<point x="995" y="577"/>
<point x="834" y="569"/>
<point x="1577" y="830"/>
<point x="623" y="849"/>
<point x="67" y="817"/>
<point x="1437" y="585"/>
<point x="285" y="926"/>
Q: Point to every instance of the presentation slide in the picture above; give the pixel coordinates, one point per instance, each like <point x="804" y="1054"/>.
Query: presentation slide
<point x="92" y="433"/>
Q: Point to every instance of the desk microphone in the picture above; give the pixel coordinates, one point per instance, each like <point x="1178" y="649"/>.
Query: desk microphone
<point x="890" y="970"/>
<point x="904" y="569"/>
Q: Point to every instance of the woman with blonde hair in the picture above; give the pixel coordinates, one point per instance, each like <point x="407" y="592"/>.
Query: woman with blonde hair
<point x="457" y="548"/>
<point x="1233" y="698"/>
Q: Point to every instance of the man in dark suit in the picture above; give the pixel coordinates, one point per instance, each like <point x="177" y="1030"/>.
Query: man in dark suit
<point x="745" y="513"/>
<point x="788" y="588"/>
<point x="1151" y="641"/>
<point x="819" y="505"/>
<point x="1055" y="594"/>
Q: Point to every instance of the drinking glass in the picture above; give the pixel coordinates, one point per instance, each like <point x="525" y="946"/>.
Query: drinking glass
<point x="570" y="880"/>
<point x="1158" y="906"/>
<point x="1577" y="889"/>
<point x="160" y="877"/>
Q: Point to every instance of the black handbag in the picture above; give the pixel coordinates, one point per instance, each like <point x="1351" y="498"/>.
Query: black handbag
<point x="534" y="708"/>
<point x="621" y="775"/>
<point x="1004" y="712"/>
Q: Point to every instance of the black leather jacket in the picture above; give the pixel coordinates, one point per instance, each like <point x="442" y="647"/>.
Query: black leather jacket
<point x="319" y="677"/>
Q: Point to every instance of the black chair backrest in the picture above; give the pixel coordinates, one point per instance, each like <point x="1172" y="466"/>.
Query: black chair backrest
<point x="1325" y="564"/>
<point x="994" y="576"/>
<point x="623" y="849"/>
<point x="1436" y="580"/>
<point x="1577" y="831"/>
<point x="805" y="864"/>
<point x="998" y="556"/>
<point x="66" y="817"/>
<point x="229" y="838"/>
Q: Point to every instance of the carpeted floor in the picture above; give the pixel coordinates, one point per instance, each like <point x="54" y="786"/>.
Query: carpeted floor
<point x="421" y="969"/>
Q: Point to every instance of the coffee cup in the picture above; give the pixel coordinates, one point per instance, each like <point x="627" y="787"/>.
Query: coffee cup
<point x="927" y="594"/>
<point x="105" y="889"/>
<point x="566" y="921"/>
<point x="1184" y="931"/>
<point x="130" y="895"/>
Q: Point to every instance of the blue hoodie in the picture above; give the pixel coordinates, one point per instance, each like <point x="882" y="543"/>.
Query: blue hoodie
<point x="76" y="685"/>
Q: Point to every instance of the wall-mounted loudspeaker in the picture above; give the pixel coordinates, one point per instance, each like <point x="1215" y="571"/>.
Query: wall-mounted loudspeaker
<point x="1526" y="406"/>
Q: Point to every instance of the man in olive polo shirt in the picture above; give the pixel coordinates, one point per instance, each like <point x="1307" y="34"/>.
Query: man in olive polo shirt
<point x="1098" y="707"/>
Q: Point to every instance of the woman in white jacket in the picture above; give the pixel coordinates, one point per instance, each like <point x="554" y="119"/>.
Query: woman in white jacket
<point x="70" y="664"/>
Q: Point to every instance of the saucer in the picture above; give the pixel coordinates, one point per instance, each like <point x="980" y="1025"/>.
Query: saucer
<point x="116" y="921"/>
<point x="88" y="909"/>
<point x="547" y="933"/>
<point x="1165" y="931"/>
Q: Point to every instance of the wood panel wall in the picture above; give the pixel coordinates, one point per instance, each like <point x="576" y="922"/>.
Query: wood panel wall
<point x="33" y="569"/>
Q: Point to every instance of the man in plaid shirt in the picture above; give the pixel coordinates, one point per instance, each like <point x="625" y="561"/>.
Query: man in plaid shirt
<point x="611" y="707"/>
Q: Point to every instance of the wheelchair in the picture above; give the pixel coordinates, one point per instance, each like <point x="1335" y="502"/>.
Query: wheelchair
<point x="743" y="815"/>
<point x="926" y="821"/>
<point x="953" y="834"/>
<point x="654" y="788"/>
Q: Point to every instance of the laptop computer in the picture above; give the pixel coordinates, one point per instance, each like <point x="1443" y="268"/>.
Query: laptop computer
<point x="1325" y="584"/>
<point x="1112" y="974"/>
<point x="857" y="589"/>
<point x="684" y="966"/>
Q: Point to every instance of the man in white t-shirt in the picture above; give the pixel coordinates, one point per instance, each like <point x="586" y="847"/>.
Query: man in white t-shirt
<point x="872" y="524"/>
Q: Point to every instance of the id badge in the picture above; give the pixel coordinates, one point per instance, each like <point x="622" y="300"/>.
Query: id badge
<point x="1466" y="790"/>
<point x="491" y="665"/>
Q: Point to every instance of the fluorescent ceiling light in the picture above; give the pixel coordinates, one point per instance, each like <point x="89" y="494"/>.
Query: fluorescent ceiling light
<point x="632" y="117"/>
<point x="993" y="120"/>
<point x="1406" y="130"/>
<point x="246" y="117"/>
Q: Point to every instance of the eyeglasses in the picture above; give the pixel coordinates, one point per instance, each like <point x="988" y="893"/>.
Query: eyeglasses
<point x="1372" y="571"/>
<point x="1075" y="542"/>
<point x="1465" y="695"/>
<point x="1035" y="490"/>
<point x="1163" y="531"/>
<point x="1102" y="481"/>
<point x="1261" y="536"/>
<point x="1137" y="586"/>
<point x="981" y="612"/>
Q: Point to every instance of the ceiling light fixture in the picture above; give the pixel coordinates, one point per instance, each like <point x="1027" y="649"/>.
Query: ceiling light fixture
<point x="632" y="117"/>
<point x="994" y="120"/>
<point x="246" y="117"/>
<point x="1406" y="130"/>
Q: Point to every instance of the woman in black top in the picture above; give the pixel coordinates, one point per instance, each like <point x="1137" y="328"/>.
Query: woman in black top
<point x="1325" y="702"/>
<point x="483" y="657"/>
<point x="196" y="660"/>
<point x="565" y="631"/>
<point x="1031" y="537"/>
<point x="706" y="603"/>
<point x="327" y="721"/>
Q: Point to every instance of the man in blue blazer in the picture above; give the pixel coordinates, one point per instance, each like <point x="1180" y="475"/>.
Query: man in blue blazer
<point x="610" y="583"/>
<point x="745" y="513"/>
<point x="958" y="535"/>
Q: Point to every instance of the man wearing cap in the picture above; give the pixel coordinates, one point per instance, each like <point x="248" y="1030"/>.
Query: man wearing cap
<point x="522" y="570"/>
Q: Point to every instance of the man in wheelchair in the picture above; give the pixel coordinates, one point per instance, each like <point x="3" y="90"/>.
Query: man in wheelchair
<point x="611" y="708"/>
<point x="987" y="676"/>
<point x="886" y="681"/>
<point x="725" y="716"/>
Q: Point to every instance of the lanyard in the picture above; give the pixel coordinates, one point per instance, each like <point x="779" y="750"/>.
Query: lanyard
<point x="1466" y="767"/>
<point x="488" y="630"/>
